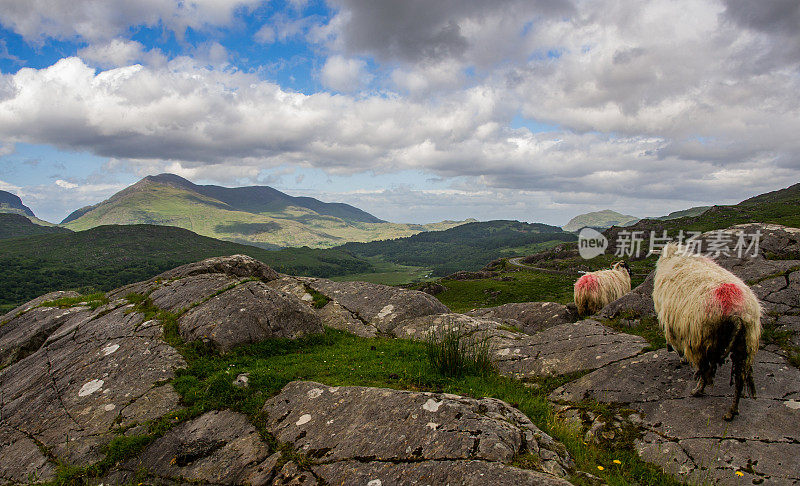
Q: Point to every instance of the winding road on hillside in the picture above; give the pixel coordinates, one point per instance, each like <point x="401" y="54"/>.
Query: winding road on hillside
<point x="517" y="262"/>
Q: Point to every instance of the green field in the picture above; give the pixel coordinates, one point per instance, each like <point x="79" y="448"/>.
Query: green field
<point x="521" y="286"/>
<point x="387" y="273"/>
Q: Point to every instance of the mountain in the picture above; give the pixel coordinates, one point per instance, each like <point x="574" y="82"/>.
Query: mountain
<point x="257" y="215"/>
<point x="778" y="207"/>
<point x="107" y="257"/>
<point x="695" y="211"/>
<point x="599" y="219"/>
<point x="11" y="203"/>
<point x="465" y="247"/>
<point x="13" y="225"/>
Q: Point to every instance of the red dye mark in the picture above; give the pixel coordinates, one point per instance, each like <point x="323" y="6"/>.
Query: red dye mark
<point x="587" y="282"/>
<point x="730" y="297"/>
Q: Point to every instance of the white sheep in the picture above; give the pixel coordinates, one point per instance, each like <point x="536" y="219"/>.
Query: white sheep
<point x="595" y="290"/>
<point x="706" y="312"/>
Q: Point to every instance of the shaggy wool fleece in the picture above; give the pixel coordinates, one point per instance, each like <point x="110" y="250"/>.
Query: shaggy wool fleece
<point x="693" y="296"/>
<point x="595" y="290"/>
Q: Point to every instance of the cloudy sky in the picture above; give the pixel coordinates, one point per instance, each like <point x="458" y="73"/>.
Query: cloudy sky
<point x="413" y="110"/>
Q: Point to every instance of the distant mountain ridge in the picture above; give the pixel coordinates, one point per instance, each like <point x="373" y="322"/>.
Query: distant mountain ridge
<point x="11" y="203"/>
<point x="255" y="215"/>
<point x="599" y="219"/>
<point x="251" y="199"/>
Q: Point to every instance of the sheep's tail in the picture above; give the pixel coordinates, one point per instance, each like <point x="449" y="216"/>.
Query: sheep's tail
<point x="740" y="364"/>
<point x="738" y="326"/>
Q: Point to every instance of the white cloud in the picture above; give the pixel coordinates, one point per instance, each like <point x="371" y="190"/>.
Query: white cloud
<point x="66" y="184"/>
<point x="114" y="53"/>
<point x="97" y="20"/>
<point x="344" y="75"/>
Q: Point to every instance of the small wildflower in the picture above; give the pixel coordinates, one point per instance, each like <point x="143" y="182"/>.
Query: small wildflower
<point x="617" y="461"/>
<point x="600" y="468"/>
<point x="739" y="473"/>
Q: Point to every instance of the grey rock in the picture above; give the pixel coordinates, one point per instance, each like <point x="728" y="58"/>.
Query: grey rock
<point x="462" y="472"/>
<point x="67" y="395"/>
<point x="422" y="328"/>
<point x="568" y="348"/>
<point x="242" y="380"/>
<point x="335" y="424"/>
<point x="686" y="435"/>
<point x="333" y="314"/>
<point x="182" y="294"/>
<point x="155" y="403"/>
<point x="533" y="316"/>
<point x="636" y="303"/>
<point x="248" y="313"/>
<point x="21" y="460"/>
<point x="237" y="266"/>
<point x="219" y="447"/>
<point x="559" y="350"/>
<point x="234" y="268"/>
<point x="379" y="305"/>
<point x="24" y="334"/>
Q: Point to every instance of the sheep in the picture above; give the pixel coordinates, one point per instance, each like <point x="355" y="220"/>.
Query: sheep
<point x="595" y="290"/>
<point x="706" y="312"/>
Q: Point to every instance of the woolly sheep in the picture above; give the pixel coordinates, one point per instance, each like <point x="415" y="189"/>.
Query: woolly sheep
<point x="595" y="290"/>
<point x="706" y="312"/>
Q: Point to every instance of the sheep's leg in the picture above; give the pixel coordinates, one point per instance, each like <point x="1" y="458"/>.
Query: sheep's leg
<point x="701" y="383"/>
<point x="734" y="411"/>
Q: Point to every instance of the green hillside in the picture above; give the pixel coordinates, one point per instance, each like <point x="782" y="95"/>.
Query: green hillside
<point x="466" y="247"/>
<point x="14" y="224"/>
<point x="599" y="219"/>
<point x="779" y="207"/>
<point x="695" y="211"/>
<point x="107" y="257"/>
<point x="257" y="215"/>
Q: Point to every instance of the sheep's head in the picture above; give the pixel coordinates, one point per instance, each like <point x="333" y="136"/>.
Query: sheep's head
<point x="622" y="264"/>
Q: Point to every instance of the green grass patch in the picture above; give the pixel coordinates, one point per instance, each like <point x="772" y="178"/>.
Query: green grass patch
<point x="319" y="300"/>
<point x="521" y="286"/>
<point x="93" y="301"/>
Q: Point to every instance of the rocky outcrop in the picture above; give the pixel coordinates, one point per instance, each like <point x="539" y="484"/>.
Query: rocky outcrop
<point x="559" y="350"/>
<point x="219" y="447"/>
<point x="364" y="309"/>
<point x="247" y="313"/>
<point x="25" y="328"/>
<point x="381" y="435"/>
<point x="379" y="305"/>
<point x="530" y="317"/>
<point x="635" y="304"/>
<point x="68" y="395"/>
<point x="220" y="269"/>
<point x="686" y="435"/>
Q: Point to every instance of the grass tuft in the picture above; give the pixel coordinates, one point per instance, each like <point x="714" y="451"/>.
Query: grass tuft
<point x="455" y="353"/>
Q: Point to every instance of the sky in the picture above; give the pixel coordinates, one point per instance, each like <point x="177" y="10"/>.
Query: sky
<point x="415" y="111"/>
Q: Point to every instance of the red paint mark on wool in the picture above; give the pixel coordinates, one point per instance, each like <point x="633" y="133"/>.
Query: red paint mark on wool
<point x="729" y="297"/>
<point x="587" y="282"/>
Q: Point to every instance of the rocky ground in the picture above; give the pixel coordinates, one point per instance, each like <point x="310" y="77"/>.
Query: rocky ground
<point x="74" y="378"/>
